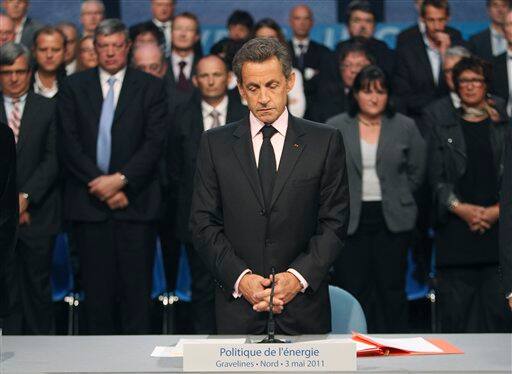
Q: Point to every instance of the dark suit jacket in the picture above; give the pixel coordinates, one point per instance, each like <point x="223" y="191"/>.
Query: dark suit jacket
<point x="304" y="227"/>
<point x="29" y="29"/>
<point x="384" y="56"/>
<point x="319" y="58"/>
<point x="8" y="214"/>
<point x="413" y="32"/>
<point x="198" y="48"/>
<point x="506" y="219"/>
<point x="183" y="145"/>
<point x="37" y="166"/>
<point x="138" y="133"/>
<point x="401" y="163"/>
<point x="480" y="44"/>
<point x="330" y="99"/>
<point x="499" y="85"/>
<point x="170" y="72"/>
<point x="413" y="82"/>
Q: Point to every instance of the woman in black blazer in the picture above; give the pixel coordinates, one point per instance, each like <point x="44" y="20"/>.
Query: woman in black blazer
<point x="385" y="164"/>
<point x="465" y="172"/>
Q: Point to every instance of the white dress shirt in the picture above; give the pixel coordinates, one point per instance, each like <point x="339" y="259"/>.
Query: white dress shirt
<point x="277" y="140"/>
<point x="8" y="105"/>
<point x="207" y="109"/>
<point x="104" y="76"/>
<point x="71" y="67"/>
<point x="296" y="48"/>
<point x="435" y="58"/>
<point x="187" y="70"/>
<point x="296" y="96"/>
<point x="498" y="42"/>
<point x="455" y="100"/>
<point x="42" y="90"/>
<point x="18" y="31"/>
<point x="166" y="28"/>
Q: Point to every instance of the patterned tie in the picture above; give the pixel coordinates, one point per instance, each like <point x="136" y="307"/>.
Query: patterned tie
<point x="15" y="118"/>
<point x="267" y="164"/>
<point x="300" y="61"/>
<point x="183" y="83"/>
<point x="216" y="118"/>
<point x="104" y="144"/>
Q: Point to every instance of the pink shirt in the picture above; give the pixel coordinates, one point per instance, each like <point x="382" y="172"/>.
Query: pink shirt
<point x="277" y="140"/>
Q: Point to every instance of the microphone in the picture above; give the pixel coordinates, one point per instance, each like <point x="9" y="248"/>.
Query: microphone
<point x="271" y="323"/>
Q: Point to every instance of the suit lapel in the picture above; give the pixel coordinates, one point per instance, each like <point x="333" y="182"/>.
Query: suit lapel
<point x="243" y="149"/>
<point x="385" y="138"/>
<point x="95" y="94"/>
<point x="126" y="94"/>
<point x="28" y="118"/>
<point x="423" y="60"/>
<point x="292" y="149"/>
<point x="3" y="114"/>
<point x="353" y="144"/>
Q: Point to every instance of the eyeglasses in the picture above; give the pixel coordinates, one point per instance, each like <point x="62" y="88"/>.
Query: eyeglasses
<point x="87" y="50"/>
<point x="15" y="72"/>
<point x="477" y="82"/>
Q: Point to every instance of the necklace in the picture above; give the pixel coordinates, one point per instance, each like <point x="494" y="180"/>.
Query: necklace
<point x="368" y="123"/>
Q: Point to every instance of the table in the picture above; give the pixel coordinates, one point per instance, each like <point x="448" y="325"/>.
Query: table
<point x="483" y="353"/>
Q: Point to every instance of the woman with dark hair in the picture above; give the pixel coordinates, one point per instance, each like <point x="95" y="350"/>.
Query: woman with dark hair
<point x="268" y="28"/>
<point x="465" y="171"/>
<point x="147" y="33"/>
<point x="87" y="56"/>
<point x="385" y="164"/>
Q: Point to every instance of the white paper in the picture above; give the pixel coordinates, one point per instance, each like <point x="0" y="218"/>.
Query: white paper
<point x="417" y="344"/>
<point x="177" y="350"/>
<point x="360" y="346"/>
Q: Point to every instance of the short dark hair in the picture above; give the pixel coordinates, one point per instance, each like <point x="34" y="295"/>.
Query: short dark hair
<point x="363" y="81"/>
<point x="356" y="45"/>
<point x="438" y="4"/>
<point x="360" y="5"/>
<point x="49" y="30"/>
<point x="271" y="24"/>
<point x="508" y="2"/>
<point x="260" y="50"/>
<point x="474" y="64"/>
<point x="241" y="17"/>
<point x="192" y="17"/>
<point x="147" y="27"/>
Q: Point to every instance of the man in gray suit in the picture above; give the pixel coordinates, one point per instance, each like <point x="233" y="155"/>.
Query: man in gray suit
<point x="24" y="27"/>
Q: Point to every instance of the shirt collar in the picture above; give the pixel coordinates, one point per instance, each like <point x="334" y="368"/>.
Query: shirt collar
<point x="304" y="42"/>
<point x="176" y="58"/>
<point x="494" y="33"/>
<point x="104" y="75"/>
<point x="41" y="85"/>
<point x="221" y="108"/>
<point x="281" y="124"/>
<point x="162" y="24"/>
<point x="455" y="100"/>
<point x="21" y="99"/>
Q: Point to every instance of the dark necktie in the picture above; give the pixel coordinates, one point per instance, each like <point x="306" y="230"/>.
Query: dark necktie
<point x="300" y="59"/>
<point x="183" y="83"/>
<point x="267" y="164"/>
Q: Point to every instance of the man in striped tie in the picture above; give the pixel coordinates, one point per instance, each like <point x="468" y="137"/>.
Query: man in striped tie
<point x="31" y="118"/>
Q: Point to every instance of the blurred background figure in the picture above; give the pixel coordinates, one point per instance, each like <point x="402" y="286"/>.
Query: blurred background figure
<point x="92" y="13"/>
<point x="502" y="67"/>
<point x="24" y="26"/>
<point x="147" y="33"/>
<point x="6" y="29"/>
<point x="163" y="12"/>
<point x="240" y="24"/>
<point x="87" y="56"/>
<point x="70" y="31"/>
<point x="385" y="168"/>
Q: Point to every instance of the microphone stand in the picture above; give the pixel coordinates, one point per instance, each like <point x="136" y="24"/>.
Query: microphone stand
<point x="270" y="339"/>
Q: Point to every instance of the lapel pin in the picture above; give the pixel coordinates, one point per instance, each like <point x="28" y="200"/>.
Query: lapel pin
<point x="295" y="145"/>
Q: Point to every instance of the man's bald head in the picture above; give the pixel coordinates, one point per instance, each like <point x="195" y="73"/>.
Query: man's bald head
<point x="6" y="29"/>
<point x="210" y="60"/>
<point x="301" y="21"/>
<point x="211" y="79"/>
<point x="150" y="58"/>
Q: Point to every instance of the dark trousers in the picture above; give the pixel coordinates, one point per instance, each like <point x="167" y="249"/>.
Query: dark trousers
<point x="372" y="267"/>
<point x="31" y="289"/>
<point x="472" y="300"/>
<point x="170" y="252"/>
<point x="203" y="294"/>
<point x="116" y="259"/>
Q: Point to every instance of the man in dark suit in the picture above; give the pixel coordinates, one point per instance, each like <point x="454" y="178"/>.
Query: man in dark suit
<point x="361" y="20"/>
<point x="506" y="223"/>
<point x="6" y="29"/>
<point x="311" y="58"/>
<point x="502" y="67"/>
<point x="418" y="75"/>
<point x="491" y="42"/>
<point x="248" y="219"/>
<point x="92" y="12"/>
<point x="8" y="216"/>
<point x="210" y="107"/>
<point x="112" y="125"/>
<point x="240" y="24"/>
<point x="32" y="120"/>
<point x="25" y="27"/>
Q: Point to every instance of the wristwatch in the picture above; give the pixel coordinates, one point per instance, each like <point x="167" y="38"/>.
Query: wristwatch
<point x="453" y="204"/>
<point x="25" y="195"/>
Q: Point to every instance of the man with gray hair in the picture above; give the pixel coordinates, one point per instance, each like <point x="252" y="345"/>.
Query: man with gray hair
<point x="6" y="29"/>
<point x="281" y="203"/>
<point x="31" y="118"/>
<point x="112" y="125"/>
<point x="92" y="12"/>
<point x="24" y="26"/>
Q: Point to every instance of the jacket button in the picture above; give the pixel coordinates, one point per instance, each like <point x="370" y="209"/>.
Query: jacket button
<point x="263" y="212"/>
<point x="450" y="140"/>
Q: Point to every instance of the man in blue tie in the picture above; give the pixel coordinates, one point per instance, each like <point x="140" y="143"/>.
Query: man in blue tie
<point x="112" y="126"/>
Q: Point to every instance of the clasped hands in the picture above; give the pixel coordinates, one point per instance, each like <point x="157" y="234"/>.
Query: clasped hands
<point x="256" y="290"/>
<point x="478" y="218"/>
<point x="107" y="188"/>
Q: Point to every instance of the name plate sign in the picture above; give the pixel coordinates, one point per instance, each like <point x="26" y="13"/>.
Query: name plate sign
<point x="325" y="356"/>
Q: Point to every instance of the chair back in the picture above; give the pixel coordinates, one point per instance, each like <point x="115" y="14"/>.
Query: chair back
<point x="346" y="312"/>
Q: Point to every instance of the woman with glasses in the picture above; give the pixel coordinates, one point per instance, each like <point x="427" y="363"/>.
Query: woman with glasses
<point x="465" y="170"/>
<point x="87" y="56"/>
<point x="385" y="163"/>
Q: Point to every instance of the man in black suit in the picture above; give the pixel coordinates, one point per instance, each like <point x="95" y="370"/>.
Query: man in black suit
<point x="502" y="67"/>
<point x="32" y="120"/>
<point x="361" y="20"/>
<point x="311" y="58"/>
<point x="25" y="27"/>
<point x="506" y="223"/>
<point x="418" y="74"/>
<point x="8" y="217"/>
<point x="112" y="125"/>
<point x="240" y="24"/>
<point x="247" y="218"/>
<point x="491" y="42"/>
<point x="210" y="107"/>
